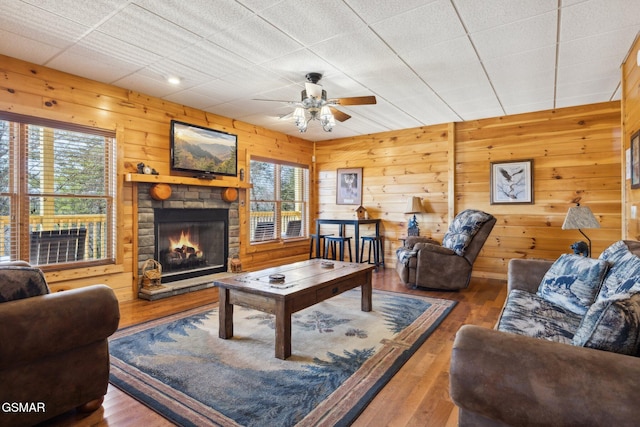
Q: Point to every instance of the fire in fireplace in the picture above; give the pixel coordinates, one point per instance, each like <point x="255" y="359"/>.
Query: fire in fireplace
<point x="191" y="242"/>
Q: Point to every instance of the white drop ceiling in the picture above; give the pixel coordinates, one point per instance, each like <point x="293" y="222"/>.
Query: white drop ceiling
<point x="427" y="62"/>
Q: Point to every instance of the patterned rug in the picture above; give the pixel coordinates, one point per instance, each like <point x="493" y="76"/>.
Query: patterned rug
<point x="341" y="358"/>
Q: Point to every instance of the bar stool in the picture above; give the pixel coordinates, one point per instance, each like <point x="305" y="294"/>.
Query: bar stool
<point x="332" y="241"/>
<point x="320" y="238"/>
<point x="375" y="243"/>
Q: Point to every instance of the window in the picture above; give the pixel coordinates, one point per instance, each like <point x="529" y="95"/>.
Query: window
<point x="57" y="192"/>
<point x="279" y="200"/>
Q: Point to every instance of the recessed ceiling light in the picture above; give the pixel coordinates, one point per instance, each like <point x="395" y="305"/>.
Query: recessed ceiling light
<point x="174" y="80"/>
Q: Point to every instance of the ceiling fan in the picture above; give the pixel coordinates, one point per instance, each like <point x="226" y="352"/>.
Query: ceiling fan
<point x="314" y="105"/>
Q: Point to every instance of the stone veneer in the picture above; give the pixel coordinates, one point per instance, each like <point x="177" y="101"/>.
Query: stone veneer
<point x="182" y="196"/>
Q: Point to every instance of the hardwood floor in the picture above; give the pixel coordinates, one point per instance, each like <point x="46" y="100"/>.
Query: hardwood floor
<point x="418" y="395"/>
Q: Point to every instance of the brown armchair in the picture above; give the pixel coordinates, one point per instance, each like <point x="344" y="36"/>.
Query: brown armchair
<point x="54" y="355"/>
<point x="424" y="263"/>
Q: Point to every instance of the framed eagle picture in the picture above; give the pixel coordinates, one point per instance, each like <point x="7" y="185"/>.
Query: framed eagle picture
<point x="512" y="182"/>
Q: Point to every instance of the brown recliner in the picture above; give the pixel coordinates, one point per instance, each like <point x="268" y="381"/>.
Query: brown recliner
<point x="54" y="353"/>
<point x="424" y="263"/>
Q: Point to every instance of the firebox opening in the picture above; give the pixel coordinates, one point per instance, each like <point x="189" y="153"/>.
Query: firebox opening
<point x="191" y="242"/>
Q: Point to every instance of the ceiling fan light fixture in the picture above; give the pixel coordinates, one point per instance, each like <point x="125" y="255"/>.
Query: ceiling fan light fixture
<point x="302" y="126"/>
<point x="300" y="119"/>
<point x="326" y="119"/>
<point x="325" y="113"/>
<point x="298" y="114"/>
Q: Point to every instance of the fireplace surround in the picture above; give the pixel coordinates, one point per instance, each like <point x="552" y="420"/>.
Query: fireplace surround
<point x="185" y="206"/>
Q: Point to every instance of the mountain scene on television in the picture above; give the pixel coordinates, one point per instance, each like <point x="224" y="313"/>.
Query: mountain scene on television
<point x="208" y="154"/>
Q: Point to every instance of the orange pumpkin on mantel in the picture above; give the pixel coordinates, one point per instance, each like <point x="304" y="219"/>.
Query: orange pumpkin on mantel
<point x="229" y="194"/>
<point x="160" y="191"/>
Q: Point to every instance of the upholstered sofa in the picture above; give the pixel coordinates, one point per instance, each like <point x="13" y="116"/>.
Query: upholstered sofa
<point x="54" y="353"/>
<point x="564" y="351"/>
<point x="425" y="263"/>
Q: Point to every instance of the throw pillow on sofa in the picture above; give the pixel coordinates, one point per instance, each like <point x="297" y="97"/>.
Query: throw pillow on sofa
<point x="527" y="314"/>
<point x="17" y="282"/>
<point x="624" y="272"/>
<point x="573" y="282"/>
<point x="612" y="324"/>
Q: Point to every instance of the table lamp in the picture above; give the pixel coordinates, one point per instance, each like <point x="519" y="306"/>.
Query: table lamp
<point x="414" y="206"/>
<point x="579" y="217"/>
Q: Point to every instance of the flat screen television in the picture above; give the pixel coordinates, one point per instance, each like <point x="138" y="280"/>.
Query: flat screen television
<point x="203" y="152"/>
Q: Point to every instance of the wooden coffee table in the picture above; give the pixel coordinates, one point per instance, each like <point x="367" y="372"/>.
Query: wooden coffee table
<point x="305" y="283"/>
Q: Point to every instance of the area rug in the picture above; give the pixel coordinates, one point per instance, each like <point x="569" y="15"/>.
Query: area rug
<point x="341" y="358"/>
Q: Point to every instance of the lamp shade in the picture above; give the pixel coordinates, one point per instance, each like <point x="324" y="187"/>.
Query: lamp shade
<point x="580" y="217"/>
<point x="414" y="205"/>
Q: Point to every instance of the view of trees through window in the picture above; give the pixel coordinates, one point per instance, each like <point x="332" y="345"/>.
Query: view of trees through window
<point x="62" y="180"/>
<point x="279" y="199"/>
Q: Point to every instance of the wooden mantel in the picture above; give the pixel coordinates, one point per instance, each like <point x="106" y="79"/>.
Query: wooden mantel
<point x="185" y="180"/>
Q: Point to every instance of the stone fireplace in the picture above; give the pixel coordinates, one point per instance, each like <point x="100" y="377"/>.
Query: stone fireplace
<point x="191" y="235"/>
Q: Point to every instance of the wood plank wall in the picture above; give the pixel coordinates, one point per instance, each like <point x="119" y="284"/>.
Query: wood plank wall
<point x="142" y="126"/>
<point x="576" y="159"/>
<point x="576" y="153"/>
<point x="396" y="166"/>
<point x="630" y="125"/>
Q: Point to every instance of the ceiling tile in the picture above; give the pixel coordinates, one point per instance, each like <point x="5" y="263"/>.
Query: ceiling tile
<point x="373" y="11"/>
<point x="310" y="22"/>
<point x="139" y="27"/>
<point x="192" y="97"/>
<point x="529" y="34"/>
<point x="584" y="19"/>
<point x="85" y="63"/>
<point x="243" y="41"/>
<point x="88" y="13"/>
<point x="37" y="24"/>
<point x="211" y="59"/>
<point x="428" y="25"/>
<point x="202" y="17"/>
<point x="614" y="43"/>
<point x="484" y="15"/>
<point x="448" y="66"/>
<point x="355" y="53"/>
<point x="104" y="46"/>
<point x="26" y="49"/>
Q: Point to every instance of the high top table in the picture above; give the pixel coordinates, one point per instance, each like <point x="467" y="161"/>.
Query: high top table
<point x="305" y="283"/>
<point x="342" y="223"/>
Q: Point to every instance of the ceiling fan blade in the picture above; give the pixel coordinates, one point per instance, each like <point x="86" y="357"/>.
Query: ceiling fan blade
<point x="285" y="116"/>
<point x="356" y="100"/>
<point x="277" y="100"/>
<point x="339" y="115"/>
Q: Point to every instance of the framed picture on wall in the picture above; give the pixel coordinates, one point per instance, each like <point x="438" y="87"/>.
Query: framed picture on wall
<point x="635" y="160"/>
<point x="512" y="182"/>
<point x="349" y="187"/>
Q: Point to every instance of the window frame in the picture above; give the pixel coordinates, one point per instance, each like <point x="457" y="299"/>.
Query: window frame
<point x="279" y="230"/>
<point x="20" y="196"/>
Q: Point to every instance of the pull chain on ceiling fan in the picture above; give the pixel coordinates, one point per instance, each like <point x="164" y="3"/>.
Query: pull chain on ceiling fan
<point x="314" y="105"/>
